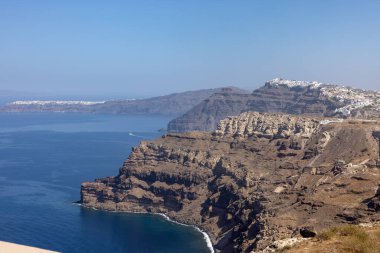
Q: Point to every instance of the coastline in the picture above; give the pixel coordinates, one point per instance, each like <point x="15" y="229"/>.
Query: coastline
<point x="206" y="237"/>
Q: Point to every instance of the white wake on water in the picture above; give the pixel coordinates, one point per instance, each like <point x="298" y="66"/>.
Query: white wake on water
<point x="135" y="135"/>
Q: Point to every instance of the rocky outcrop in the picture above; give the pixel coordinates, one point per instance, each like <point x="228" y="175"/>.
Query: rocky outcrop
<point x="268" y="125"/>
<point x="254" y="181"/>
<point x="281" y="96"/>
<point x="374" y="203"/>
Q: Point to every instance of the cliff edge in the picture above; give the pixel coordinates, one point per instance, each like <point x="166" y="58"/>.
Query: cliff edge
<point x="257" y="179"/>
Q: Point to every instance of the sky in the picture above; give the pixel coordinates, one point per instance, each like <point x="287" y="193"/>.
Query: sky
<point x="145" y="48"/>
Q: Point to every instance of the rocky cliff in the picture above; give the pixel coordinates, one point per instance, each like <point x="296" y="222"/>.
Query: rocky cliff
<point x="283" y="96"/>
<point x="258" y="179"/>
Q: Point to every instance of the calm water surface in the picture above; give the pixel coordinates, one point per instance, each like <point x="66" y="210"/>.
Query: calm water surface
<point x="43" y="160"/>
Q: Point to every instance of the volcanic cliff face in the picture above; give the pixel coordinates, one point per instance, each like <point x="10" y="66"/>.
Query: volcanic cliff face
<point x="259" y="178"/>
<point x="281" y="96"/>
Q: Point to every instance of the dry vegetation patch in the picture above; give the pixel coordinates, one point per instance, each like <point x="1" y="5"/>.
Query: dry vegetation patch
<point x="344" y="239"/>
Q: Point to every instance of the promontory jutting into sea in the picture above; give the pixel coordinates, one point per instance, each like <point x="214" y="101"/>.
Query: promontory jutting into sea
<point x="251" y="164"/>
<point x="190" y="126"/>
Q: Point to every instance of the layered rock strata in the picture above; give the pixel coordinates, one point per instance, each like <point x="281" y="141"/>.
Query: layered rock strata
<point x="256" y="180"/>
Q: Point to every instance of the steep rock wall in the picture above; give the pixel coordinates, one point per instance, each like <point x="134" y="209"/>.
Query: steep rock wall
<point x="249" y="188"/>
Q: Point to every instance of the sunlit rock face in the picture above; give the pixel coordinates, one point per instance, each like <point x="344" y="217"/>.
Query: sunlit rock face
<point x="257" y="179"/>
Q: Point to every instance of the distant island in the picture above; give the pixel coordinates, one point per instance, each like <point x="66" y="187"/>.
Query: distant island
<point x="202" y="110"/>
<point x="172" y="105"/>
<point x="52" y="102"/>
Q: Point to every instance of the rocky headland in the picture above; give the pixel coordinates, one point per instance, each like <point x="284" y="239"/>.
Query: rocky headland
<point x="257" y="180"/>
<point x="281" y="96"/>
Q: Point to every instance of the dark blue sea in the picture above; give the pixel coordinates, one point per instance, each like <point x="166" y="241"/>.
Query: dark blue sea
<point x="44" y="157"/>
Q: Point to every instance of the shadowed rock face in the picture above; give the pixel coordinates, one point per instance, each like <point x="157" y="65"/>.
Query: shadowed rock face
<point x="257" y="179"/>
<point x="281" y="96"/>
<point x="206" y="115"/>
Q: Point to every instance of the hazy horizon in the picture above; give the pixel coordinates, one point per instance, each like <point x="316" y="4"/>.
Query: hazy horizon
<point x="127" y="49"/>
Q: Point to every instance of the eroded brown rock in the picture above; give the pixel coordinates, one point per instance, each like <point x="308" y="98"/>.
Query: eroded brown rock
<point x="258" y="179"/>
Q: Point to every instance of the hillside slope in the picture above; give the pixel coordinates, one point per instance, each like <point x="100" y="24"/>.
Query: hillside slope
<point x="343" y="239"/>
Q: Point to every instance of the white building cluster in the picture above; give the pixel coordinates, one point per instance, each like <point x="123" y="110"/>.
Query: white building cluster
<point x="55" y="102"/>
<point x="353" y="99"/>
<point x="293" y="83"/>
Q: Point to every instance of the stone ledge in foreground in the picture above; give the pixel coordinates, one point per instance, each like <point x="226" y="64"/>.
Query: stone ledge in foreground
<point x="6" y="247"/>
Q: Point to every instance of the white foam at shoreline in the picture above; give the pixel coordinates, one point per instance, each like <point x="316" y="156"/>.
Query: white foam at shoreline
<point x="206" y="237"/>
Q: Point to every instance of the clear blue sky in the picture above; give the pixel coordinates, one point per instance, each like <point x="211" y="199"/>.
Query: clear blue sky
<point x="129" y="48"/>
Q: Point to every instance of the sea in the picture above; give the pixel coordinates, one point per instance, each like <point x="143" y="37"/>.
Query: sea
<point x="44" y="157"/>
